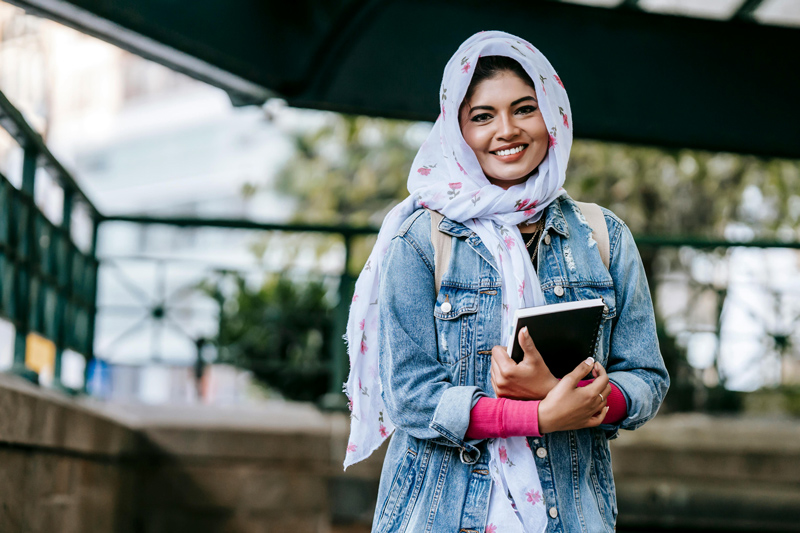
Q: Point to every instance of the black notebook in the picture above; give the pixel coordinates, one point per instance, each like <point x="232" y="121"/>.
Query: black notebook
<point x="565" y="334"/>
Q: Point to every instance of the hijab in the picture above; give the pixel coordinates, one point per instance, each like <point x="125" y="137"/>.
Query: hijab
<point x="447" y="177"/>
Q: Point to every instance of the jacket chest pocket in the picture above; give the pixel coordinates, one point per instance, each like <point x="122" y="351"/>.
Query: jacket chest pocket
<point x="455" y="312"/>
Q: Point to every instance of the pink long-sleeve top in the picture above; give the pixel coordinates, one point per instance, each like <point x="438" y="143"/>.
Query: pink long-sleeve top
<point x="491" y="418"/>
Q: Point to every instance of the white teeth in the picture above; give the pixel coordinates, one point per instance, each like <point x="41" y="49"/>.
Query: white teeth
<point x="510" y="151"/>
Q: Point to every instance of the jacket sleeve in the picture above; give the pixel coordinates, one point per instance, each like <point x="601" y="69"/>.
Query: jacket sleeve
<point x="416" y="389"/>
<point x="635" y="364"/>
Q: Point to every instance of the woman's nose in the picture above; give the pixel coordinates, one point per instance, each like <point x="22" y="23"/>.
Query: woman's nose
<point x="506" y="127"/>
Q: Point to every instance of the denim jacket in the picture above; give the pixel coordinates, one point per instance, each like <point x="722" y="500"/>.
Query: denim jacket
<point x="434" y="366"/>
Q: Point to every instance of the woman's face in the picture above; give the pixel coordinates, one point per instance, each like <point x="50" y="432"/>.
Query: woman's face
<point x="503" y="125"/>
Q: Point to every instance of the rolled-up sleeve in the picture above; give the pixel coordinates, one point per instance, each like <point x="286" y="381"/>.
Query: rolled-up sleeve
<point x="634" y="364"/>
<point x="416" y="389"/>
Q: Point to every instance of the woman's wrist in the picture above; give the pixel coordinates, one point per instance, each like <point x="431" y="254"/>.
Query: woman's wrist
<point x="545" y="418"/>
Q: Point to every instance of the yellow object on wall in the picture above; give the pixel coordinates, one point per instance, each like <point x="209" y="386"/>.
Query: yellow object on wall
<point x="40" y="353"/>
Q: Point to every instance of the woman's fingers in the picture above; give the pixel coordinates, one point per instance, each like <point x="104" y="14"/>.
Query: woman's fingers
<point x="528" y="347"/>
<point x="578" y="373"/>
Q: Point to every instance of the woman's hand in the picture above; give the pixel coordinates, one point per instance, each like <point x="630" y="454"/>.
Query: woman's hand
<point x="528" y="380"/>
<point x="568" y="406"/>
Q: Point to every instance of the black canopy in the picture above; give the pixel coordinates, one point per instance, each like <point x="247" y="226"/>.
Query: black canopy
<point x="632" y="76"/>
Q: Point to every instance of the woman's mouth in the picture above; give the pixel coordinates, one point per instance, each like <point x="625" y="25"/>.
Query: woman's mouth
<point x="510" y="154"/>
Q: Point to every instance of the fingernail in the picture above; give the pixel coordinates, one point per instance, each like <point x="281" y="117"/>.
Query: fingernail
<point x="525" y="332"/>
<point x="589" y="361"/>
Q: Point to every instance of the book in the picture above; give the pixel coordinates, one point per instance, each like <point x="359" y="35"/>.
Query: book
<point x="565" y="333"/>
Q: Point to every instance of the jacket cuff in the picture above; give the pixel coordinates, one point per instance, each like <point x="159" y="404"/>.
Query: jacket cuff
<point x="451" y="419"/>
<point x="638" y="397"/>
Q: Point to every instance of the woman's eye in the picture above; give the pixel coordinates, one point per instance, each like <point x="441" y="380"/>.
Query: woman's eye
<point x="483" y="117"/>
<point x="526" y="109"/>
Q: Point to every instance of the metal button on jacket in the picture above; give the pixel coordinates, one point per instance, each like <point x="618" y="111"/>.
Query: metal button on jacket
<point x="541" y="453"/>
<point x="446" y="307"/>
<point x="559" y="290"/>
<point x="553" y="512"/>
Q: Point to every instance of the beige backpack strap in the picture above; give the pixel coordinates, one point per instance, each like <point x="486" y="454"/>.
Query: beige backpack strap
<point x="441" y="249"/>
<point x="597" y="221"/>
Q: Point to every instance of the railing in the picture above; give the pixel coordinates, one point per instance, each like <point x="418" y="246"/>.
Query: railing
<point x="48" y="283"/>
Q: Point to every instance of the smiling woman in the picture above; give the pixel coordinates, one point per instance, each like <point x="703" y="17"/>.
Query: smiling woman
<point x="501" y="121"/>
<point x="481" y="443"/>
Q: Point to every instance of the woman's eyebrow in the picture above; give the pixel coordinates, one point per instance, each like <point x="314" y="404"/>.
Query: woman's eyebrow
<point x="515" y="102"/>
<point x="523" y="99"/>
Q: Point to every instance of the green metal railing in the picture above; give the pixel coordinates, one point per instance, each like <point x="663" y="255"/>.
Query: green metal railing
<point x="49" y="285"/>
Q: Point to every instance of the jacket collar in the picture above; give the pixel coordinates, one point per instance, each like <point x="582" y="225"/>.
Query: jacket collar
<point x="554" y="216"/>
<point x="554" y="219"/>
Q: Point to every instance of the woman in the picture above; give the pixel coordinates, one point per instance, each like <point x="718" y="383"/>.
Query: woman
<point x="429" y="366"/>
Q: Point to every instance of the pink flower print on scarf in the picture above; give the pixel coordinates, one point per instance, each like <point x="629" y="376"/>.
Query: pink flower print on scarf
<point x="534" y="496"/>
<point x="425" y="169"/>
<point x="476" y="197"/>
<point x="382" y="429"/>
<point x="355" y="297"/>
<point x="491" y="528"/>
<point x="503" y="454"/>
<point x="521" y="288"/>
<point x="461" y="168"/>
<point x="559" y="81"/>
<point x="525" y="205"/>
<point x="509" y="240"/>
<point x="454" y="189"/>
<point x="351" y="448"/>
<point x="564" y="116"/>
<point x="361" y="324"/>
<point x="465" y="64"/>
<point x="552" y="141"/>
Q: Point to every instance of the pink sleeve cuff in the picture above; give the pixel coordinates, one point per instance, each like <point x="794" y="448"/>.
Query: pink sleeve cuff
<point x="493" y="418"/>
<point x="617" y="406"/>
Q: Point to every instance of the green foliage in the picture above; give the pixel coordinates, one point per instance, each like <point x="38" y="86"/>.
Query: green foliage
<point x="280" y="330"/>
<point x="350" y="171"/>
<point x="687" y="192"/>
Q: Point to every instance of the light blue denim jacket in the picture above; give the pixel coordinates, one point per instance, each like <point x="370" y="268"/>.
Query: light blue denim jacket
<point x="434" y="366"/>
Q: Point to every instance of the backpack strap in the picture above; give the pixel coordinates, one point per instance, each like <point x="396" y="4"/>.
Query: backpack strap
<point x="597" y="221"/>
<point x="442" y="244"/>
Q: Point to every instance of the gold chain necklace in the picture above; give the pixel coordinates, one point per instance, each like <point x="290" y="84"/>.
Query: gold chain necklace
<point x="536" y="233"/>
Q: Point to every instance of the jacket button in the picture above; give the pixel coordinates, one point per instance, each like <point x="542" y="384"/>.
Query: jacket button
<point x="559" y="290"/>
<point x="541" y="453"/>
<point x="553" y="512"/>
<point x="446" y="307"/>
<point x="547" y="239"/>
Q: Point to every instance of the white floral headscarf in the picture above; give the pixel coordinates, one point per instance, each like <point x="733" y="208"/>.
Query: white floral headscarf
<point x="447" y="177"/>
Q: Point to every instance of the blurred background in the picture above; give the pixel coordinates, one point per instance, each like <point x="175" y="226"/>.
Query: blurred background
<point x="185" y="214"/>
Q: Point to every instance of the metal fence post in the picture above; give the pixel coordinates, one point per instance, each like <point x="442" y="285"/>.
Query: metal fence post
<point x="64" y="291"/>
<point x="96" y="220"/>
<point x="25" y="250"/>
<point x="335" y="398"/>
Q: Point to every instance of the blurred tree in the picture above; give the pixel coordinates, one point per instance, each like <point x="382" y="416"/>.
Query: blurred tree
<point x="279" y="330"/>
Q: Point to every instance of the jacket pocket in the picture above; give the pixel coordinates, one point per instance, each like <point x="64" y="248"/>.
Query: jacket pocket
<point x="398" y="491"/>
<point x="455" y="313"/>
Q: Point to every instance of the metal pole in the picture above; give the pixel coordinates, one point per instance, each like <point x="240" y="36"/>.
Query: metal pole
<point x="335" y="398"/>
<point x="64" y="290"/>
<point x="93" y="310"/>
<point x="24" y="262"/>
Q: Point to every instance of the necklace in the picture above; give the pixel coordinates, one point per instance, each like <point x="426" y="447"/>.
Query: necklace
<point x="537" y="230"/>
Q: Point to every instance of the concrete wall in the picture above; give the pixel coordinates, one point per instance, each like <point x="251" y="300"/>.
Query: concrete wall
<point x="73" y="465"/>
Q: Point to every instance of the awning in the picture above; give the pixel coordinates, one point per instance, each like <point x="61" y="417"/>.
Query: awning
<point x="632" y="76"/>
